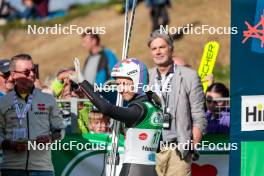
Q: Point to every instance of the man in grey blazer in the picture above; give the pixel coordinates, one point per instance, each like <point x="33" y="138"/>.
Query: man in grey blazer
<point x="181" y="91"/>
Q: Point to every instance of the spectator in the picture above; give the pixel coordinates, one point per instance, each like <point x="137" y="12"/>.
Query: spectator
<point x="158" y="12"/>
<point x="62" y="88"/>
<point x="40" y="85"/>
<point x="27" y="114"/>
<point x="30" y="11"/>
<point x="62" y="85"/>
<point x="181" y="91"/>
<point x="6" y="82"/>
<point x="98" y="122"/>
<point x="4" y="8"/>
<point x="142" y="117"/>
<point x="42" y="7"/>
<point x="210" y="79"/>
<point x="101" y="60"/>
<point x="7" y="12"/>
<point x="180" y="61"/>
<point x="217" y="114"/>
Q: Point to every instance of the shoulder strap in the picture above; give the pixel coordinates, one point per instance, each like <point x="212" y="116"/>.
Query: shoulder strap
<point x="103" y="63"/>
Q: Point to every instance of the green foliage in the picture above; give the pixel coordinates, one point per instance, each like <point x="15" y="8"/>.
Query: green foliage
<point x="222" y="74"/>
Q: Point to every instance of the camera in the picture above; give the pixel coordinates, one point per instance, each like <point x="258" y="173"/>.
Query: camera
<point x="74" y="86"/>
<point x="167" y="121"/>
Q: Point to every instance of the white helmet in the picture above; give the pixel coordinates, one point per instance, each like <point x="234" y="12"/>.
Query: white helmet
<point x="134" y="69"/>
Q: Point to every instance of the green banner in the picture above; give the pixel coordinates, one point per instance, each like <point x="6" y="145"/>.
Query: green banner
<point x="252" y="155"/>
<point x="83" y="154"/>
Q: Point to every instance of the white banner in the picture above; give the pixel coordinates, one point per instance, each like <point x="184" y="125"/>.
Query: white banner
<point x="252" y="113"/>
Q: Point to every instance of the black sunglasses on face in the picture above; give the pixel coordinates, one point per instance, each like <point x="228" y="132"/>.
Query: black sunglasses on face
<point x="5" y="75"/>
<point x="27" y="72"/>
<point x="209" y="99"/>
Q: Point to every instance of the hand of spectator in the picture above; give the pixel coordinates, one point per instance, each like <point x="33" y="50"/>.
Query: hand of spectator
<point x="210" y="79"/>
<point x="7" y="144"/>
<point x="74" y="77"/>
<point x="65" y="75"/>
<point x="75" y="85"/>
<point x="56" y="135"/>
<point x="43" y="139"/>
<point x="18" y="146"/>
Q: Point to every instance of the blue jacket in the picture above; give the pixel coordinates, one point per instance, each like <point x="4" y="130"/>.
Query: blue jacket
<point x="156" y="2"/>
<point x="104" y="68"/>
<point x="98" y="66"/>
<point x="1" y="94"/>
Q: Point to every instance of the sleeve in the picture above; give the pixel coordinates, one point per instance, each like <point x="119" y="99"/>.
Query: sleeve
<point x="83" y="120"/>
<point x="100" y="77"/>
<point x="56" y="87"/>
<point x="129" y="115"/>
<point x="197" y="103"/>
<point x="56" y="120"/>
<point x="2" y="127"/>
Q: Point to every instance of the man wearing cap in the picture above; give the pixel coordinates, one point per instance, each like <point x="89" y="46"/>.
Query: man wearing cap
<point x="6" y="83"/>
<point x="181" y="91"/>
<point x="27" y="117"/>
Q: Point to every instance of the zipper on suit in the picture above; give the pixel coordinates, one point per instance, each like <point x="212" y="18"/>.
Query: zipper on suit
<point x="28" y="138"/>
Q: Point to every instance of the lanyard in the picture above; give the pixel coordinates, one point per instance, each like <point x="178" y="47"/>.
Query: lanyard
<point x="163" y="88"/>
<point x="22" y="114"/>
<point x="163" y="85"/>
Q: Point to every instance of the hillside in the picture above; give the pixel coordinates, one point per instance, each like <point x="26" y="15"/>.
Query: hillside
<point x="56" y="51"/>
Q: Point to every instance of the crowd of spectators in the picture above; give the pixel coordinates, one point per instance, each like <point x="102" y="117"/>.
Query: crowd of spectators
<point x="24" y="96"/>
<point x="33" y="9"/>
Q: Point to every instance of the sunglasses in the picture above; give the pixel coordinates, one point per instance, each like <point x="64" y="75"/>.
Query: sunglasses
<point x="27" y="72"/>
<point x="209" y="99"/>
<point x="5" y="75"/>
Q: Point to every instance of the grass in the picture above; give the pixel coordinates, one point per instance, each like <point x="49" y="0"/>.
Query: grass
<point x="77" y="11"/>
